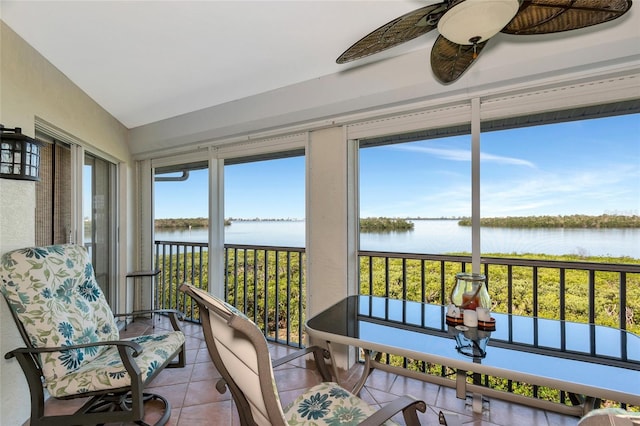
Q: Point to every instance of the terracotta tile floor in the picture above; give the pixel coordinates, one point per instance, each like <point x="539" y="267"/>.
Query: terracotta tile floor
<point x="195" y="401"/>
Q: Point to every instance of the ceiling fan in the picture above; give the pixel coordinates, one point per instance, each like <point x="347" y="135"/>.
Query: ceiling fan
<point x="465" y="27"/>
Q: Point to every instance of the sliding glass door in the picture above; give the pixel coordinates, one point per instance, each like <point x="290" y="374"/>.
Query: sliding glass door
<point x="98" y="209"/>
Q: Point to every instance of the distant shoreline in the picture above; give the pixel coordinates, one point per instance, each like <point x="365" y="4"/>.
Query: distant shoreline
<point x="568" y="221"/>
<point x="576" y="221"/>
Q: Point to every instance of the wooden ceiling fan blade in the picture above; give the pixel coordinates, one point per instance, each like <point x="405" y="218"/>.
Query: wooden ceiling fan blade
<point x="450" y="60"/>
<point x="552" y="16"/>
<point x="400" y="30"/>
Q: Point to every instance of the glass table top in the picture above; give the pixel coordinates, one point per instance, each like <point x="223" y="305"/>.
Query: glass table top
<point x="587" y="354"/>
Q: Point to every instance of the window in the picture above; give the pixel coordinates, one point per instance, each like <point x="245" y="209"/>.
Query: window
<point x="265" y="202"/>
<point x="584" y="161"/>
<point x="53" y="194"/>
<point x="425" y="182"/>
<point x="182" y="194"/>
<point x="556" y="173"/>
<point x="98" y="220"/>
<point x="76" y="200"/>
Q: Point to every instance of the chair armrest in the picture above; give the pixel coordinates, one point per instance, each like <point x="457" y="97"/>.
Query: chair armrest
<point x="407" y="404"/>
<point x="319" y="355"/>
<point x="30" y="364"/>
<point x="137" y="349"/>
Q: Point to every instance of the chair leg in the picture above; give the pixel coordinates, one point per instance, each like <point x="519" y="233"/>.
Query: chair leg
<point x="167" y="412"/>
<point x="100" y="409"/>
<point x="31" y="372"/>
<point x="181" y="362"/>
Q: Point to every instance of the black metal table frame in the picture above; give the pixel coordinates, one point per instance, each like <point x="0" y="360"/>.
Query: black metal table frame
<point x="138" y="277"/>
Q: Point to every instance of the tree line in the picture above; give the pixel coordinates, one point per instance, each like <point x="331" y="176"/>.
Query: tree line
<point x="375" y="224"/>
<point x="384" y="224"/>
<point x="185" y="223"/>
<point x="570" y="221"/>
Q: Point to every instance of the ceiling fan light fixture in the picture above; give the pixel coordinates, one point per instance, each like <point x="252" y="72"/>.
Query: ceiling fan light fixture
<point x="474" y="21"/>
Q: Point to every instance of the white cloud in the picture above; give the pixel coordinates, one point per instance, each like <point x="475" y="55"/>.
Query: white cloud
<point x="566" y="192"/>
<point x="465" y="155"/>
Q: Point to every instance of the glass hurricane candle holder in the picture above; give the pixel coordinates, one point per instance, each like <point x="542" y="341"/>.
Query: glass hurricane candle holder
<point x="470" y="291"/>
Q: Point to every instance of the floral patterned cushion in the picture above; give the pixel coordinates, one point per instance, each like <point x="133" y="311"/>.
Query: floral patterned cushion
<point x="55" y="295"/>
<point x="107" y="372"/>
<point x="328" y="404"/>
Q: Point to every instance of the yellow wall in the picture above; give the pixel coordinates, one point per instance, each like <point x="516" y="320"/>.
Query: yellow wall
<point x="31" y="87"/>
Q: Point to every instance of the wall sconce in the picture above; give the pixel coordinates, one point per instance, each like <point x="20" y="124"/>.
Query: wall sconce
<point x="19" y="155"/>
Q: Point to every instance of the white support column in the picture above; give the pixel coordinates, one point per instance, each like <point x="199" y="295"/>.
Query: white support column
<point x="475" y="185"/>
<point x="475" y="208"/>
<point x="331" y="224"/>
<point x="124" y="249"/>
<point x="353" y="215"/>
<point x="326" y="222"/>
<point x="216" y="224"/>
<point x="145" y="222"/>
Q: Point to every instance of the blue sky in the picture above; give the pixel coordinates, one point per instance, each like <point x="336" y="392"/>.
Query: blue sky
<point x="582" y="167"/>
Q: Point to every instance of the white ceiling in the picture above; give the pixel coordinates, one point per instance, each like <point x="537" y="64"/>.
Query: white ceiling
<point x="145" y="61"/>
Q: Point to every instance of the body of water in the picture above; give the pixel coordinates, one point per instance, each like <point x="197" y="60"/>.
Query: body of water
<point x="438" y="237"/>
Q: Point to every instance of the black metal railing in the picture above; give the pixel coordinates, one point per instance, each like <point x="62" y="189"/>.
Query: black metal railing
<point x="268" y="284"/>
<point x="180" y="262"/>
<point x="595" y="293"/>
